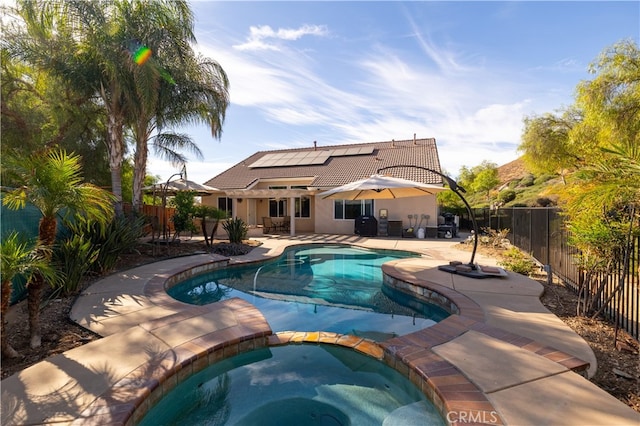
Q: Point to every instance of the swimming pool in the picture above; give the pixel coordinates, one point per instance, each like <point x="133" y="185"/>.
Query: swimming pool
<point x="335" y="288"/>
<point x="296" y="385"/>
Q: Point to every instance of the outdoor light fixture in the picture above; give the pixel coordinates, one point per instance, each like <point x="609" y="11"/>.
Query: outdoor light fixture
<point x="470" y="269"/>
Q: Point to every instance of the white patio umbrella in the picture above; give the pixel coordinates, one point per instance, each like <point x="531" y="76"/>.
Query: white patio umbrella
<point x="386" y="187"/>
<point x="379" y="187"/>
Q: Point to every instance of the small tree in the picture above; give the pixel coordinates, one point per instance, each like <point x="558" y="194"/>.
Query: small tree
<point x="486" y="179"/>
<point x="205" y="212"/>
<point x="52" y="182"/>
<point x="23" y="259"/>
<point x="183" y="217"/>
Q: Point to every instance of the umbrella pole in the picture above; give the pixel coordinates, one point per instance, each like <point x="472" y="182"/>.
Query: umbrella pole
<point x="457" y="189"/>
<point x="165" y="189"/>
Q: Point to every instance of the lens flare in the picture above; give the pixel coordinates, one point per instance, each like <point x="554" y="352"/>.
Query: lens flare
<point x="141" y="55"/>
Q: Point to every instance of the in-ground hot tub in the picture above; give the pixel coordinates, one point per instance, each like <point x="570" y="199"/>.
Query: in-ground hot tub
<point x="296" y="384"/>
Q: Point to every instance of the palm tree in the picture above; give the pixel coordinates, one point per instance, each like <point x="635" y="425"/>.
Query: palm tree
<point x="198" y="93"/>
<point x="20" y="259"/>
<point x="90" y="45"/>
<point x="52" y="182"/>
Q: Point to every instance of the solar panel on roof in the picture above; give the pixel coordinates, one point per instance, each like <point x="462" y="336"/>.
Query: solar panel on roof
<point x="303" y="158"/>
<point x="292" y="159"/>
<point x="343" y="152"/>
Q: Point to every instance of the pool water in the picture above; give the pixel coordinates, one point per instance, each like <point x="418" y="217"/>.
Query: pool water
<point x="296" y="385"/>
<point x="334" y="288"/>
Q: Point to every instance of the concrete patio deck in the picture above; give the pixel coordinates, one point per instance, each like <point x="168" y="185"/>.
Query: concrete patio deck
<point x="503" y="359"/>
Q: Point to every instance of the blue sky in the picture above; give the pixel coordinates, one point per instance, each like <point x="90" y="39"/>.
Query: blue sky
<point x="465" y="73"/>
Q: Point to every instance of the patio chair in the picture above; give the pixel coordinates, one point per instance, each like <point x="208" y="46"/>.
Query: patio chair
<point x="285" y="226"/>
<point x="267" y="225"/>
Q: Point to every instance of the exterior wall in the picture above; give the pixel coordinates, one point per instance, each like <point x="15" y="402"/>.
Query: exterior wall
<point x="322" y="221"/>
<point x="398" y="210"/>
<point x="245" y="209"/>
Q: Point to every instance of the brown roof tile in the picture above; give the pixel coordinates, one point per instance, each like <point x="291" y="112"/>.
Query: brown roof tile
<point x="341" y="170"/>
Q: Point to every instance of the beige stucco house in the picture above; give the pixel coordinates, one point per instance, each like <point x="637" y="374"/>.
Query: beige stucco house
<point x="273" y="185"/>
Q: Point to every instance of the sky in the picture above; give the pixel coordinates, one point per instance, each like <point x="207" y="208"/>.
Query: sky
<point x="464" y="73"/>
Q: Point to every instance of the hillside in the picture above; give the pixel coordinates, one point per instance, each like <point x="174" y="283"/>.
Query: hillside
<point x="519" y="187"/>
<point x="515" y="170"/>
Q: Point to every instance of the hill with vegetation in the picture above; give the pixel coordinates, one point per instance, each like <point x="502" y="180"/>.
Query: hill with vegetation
<point x="516" y="186"/>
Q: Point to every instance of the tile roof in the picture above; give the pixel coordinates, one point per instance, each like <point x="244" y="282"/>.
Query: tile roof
<point x="339" y="170"/>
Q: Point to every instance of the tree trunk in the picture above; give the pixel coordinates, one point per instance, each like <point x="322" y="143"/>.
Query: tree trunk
<point x="115" y="140"/>
<point x="47" y="235"/>
<point x="214" y="230"/>
<point x="203" y="224"/>
<point x="7" y="350"/>
<point x="34" y="298"/>
<point x="139" y="172"/>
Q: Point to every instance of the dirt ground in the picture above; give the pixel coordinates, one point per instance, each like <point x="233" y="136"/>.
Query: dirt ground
<point x="618" y="363"/>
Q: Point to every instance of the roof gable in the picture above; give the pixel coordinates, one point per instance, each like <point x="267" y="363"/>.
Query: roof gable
<point x="331" y="166"/>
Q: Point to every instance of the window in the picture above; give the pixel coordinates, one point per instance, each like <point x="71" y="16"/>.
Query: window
<point x="226" y="205"/>
<point x="303" y="207"/>
<point x="277" y="207"/>
<point x="303" y="204"/>
<point x="351" y="209"/>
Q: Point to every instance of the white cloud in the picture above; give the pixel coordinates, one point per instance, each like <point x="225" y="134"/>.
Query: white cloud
<point x="260" y="36"/>
<point x="378" y="93"/>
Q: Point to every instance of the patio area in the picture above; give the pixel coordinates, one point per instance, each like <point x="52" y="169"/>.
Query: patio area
<point x="501" y="359"/>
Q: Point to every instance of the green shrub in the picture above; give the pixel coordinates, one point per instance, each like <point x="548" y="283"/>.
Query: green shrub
<point x="74" y="257"/>
<point x="507" y="195"/>
<point x="92" y="248"/>
<point x="527" y="180"/>
<point x="119" y="236"/>
<point x="185" y="209"/>
<point x="236" y="230"/>
<point x="542" y="179"/>
<point x="517" y="261"/>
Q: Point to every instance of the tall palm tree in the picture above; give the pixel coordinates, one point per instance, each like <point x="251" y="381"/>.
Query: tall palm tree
<point x="91" y="45"/>
<point x="52" y="182"/>
<point x="19" y="259"/>
<point x="197" y="93"/>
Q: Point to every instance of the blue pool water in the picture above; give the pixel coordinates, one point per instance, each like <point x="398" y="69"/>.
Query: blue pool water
<point x="333" y="288"/>
<point x="296" y="385"/>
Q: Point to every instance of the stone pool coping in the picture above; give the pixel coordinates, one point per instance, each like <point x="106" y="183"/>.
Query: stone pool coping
<point x="153" y="342"/>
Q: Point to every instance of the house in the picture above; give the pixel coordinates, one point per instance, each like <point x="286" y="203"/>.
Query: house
<point x="272" y="185"/>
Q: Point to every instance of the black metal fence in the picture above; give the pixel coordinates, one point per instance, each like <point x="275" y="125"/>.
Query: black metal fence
<point x="541" y="233"/>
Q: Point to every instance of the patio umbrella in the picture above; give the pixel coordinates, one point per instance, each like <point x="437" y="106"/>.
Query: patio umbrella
<point x="179" y="185"/>
<point x="385" y="187"/>
<point x="379" y="187"/>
